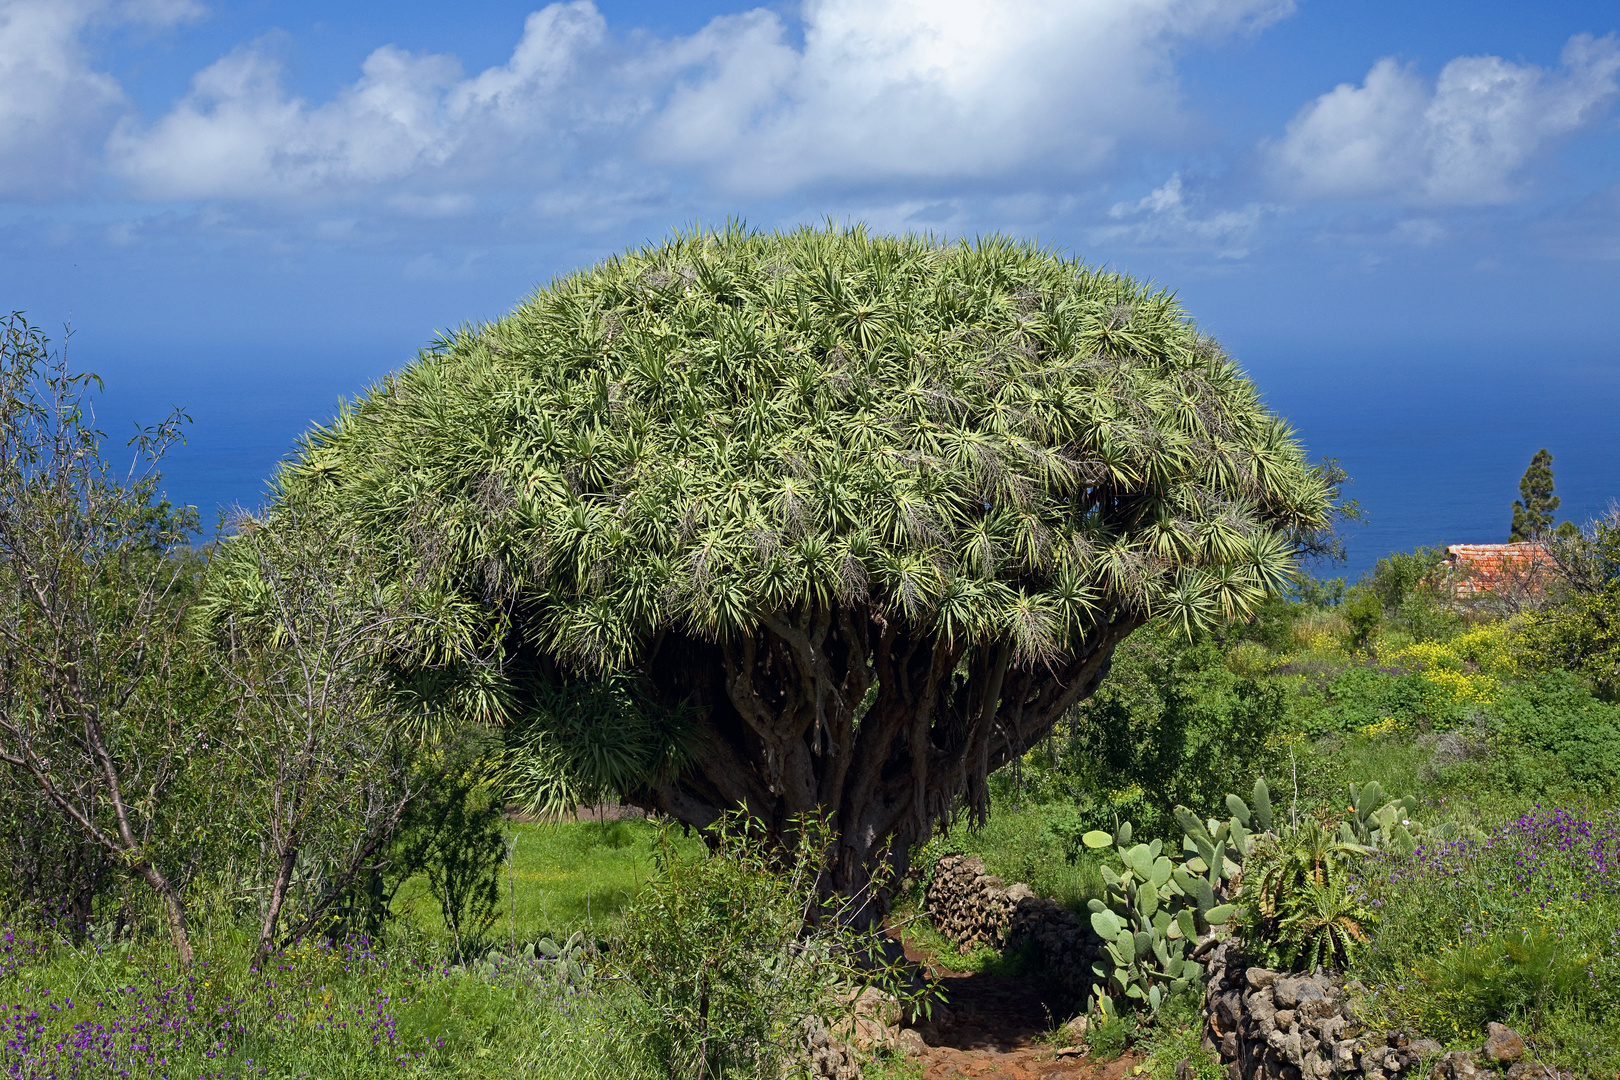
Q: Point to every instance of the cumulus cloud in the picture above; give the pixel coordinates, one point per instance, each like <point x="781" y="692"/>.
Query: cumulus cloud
<point x="878" y="90"/>
<point x="238" y="134"/>
<point x="1465" y="140"/>
<point x="54" y="107"/>
<point x="1166" y="218"/>
<point x="918" y="89"/>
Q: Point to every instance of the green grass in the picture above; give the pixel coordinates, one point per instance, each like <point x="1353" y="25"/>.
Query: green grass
<point x="575" y="875"/>
<point x="329" y="1012"/>
<point x="1016" y="844"/>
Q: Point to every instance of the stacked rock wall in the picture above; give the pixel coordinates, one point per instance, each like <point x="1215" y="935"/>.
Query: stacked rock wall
<point x="967" y="905"/>
<point x="971" y="908"/>
<point x="1267" y="1025"/>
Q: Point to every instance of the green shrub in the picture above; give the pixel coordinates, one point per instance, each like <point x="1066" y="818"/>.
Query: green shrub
<point x="1172" y="724"/>
<point x="1109" y="1036"/>
<point x="731" y="954"/>
<point x="1551" y="731"/>
<point x="1363" y="697"/>
<point x="1296" y="908"/>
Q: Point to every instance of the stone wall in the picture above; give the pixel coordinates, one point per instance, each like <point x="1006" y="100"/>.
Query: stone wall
<point x="1265" y="1025"/>
<point x="971" y="908"/>
<point x="1271" y="1026"/>
<point x="1268" y="1025"/>
<point x="967" y="905"/>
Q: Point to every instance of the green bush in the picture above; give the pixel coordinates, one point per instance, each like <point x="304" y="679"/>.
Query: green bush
<point x="730" y="955"/>
<point x="1361" y="697"/>
<point x="1172" y="724"/>
<point x="1552" y="733"/>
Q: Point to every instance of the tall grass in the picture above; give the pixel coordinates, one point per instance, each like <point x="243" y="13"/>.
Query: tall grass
<point x="344" y="1012"/>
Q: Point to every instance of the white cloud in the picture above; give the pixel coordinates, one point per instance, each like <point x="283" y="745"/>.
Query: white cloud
<point x="919" y="89"/>
<point x="1012" y="94"/>
<point x="54" y="107"/>
<point x="1464" y="141"/>
<point x="1164" y="218"/>
<point x="238" y="134"/>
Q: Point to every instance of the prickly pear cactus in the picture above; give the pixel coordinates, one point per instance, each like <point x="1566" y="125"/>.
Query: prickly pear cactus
<point x="1379" y="822"/>
<point x="566" y="965"/>
<point x="1158" y="916"/>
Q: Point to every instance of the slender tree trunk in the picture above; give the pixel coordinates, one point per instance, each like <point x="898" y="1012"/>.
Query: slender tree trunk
<point x="272" y="911"/>
<point x="174" y="911"/>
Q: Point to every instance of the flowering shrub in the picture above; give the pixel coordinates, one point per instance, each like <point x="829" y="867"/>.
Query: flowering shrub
<point x="1470" y="668"/>
<point x="1521" y="925"/>
<point x="318" y="1010"/>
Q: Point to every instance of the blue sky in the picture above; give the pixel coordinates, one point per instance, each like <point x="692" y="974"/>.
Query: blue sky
<point x="1403" y="218"/>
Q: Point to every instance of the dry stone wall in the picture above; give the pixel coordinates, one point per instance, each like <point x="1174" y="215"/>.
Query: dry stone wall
<point x="1268" y="1025"/>
<point x="971" y="908"/>
<point x="1264" y="1024"/>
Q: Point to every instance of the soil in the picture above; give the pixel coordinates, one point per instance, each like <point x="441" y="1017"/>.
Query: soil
<point x="999" y="1026"/>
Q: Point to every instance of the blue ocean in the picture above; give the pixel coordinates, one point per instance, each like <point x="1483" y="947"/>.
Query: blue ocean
<point x="1434" y="438"/>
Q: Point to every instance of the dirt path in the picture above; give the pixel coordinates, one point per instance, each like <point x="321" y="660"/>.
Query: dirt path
<point x="995" y="1026"/>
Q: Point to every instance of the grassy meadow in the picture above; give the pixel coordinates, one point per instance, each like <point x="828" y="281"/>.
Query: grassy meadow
<point x="1508" y="909"/>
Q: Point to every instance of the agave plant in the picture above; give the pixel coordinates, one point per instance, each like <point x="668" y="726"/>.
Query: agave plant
<point x="858" y="516"/>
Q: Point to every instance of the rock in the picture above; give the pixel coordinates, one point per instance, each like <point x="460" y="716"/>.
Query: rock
<point x="1503" y="1044"/>
<point x="1531" y="1070"/>
<point x="1229" y="1046"/>
<point x="1424" y="1048"/>
<point x="1228" y="1009"/>
<point x="1285" y="992"/>
<point x="1259" y="978"/>
<point x="1259" y="1007"/>
<point x="1376" y="1061"/>
<point x="1075" y="1030"/>
<point x="1457" y="1065"/>
<point x="1285" y="1019"/>
<point x="1328" y="1028"/>
<point x="911" y="1042"/>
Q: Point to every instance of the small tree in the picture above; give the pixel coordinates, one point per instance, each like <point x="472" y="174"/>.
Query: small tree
<point x="95" y="580"/>
<point x="308" y="627"/>
<point x="1533" y="515"/>
<point x="1580" y="629"/>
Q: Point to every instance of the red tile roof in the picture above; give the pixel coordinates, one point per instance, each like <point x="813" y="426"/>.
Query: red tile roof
<point x="1477" y="568"/>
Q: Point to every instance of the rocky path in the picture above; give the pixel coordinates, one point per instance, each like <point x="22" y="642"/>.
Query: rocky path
<point x="996" y="1026"/>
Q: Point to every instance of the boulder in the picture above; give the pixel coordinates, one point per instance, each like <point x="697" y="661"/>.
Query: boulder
<point x="1502" y="1044"/>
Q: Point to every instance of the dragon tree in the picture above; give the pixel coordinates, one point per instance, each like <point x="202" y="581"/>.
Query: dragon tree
<point x="810" y="522"/>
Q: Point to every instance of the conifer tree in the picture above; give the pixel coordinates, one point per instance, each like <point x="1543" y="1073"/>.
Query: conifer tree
<point x="1533" y="517"/>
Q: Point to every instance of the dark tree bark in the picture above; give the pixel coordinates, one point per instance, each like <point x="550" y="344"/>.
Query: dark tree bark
<point x="841" y="711"/>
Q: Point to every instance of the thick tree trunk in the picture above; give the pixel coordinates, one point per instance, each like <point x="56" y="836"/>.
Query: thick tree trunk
<point x="842" y="712"/>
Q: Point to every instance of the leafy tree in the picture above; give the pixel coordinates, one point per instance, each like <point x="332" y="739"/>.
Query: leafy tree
<point x="1533" y="516"/>
<point x="306" y="627"/>
<point x="851" y="519"/>
<point x="1580" y="630"/>
<point x="99" y="724"/>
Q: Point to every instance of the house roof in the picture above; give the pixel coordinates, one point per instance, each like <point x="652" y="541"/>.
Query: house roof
<point x="1480" y="568"/>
